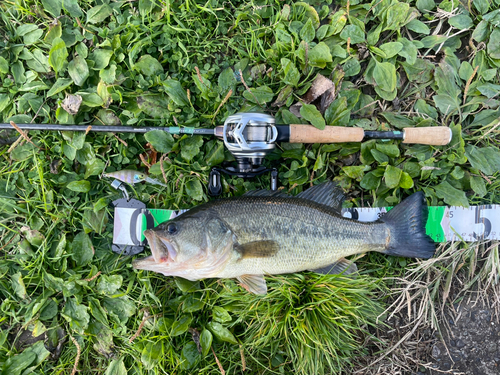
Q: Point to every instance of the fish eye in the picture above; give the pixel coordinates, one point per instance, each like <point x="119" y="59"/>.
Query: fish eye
<point x="171" y="228"/>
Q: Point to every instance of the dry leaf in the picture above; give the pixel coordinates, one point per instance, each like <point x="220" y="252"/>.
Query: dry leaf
<point x="72" y="103"/>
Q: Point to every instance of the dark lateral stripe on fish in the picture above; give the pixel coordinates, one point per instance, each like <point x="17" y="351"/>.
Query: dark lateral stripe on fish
<point x="258" y="249"/>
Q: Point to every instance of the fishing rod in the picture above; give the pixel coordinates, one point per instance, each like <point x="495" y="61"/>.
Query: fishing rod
<point x="251" y="136"/>
<point x="256" y="125"/>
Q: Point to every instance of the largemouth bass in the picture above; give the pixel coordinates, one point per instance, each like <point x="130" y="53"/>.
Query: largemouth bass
<point x="266" y="233"/>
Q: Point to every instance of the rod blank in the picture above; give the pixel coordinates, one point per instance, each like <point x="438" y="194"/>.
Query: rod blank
<point x="108" y="128"/>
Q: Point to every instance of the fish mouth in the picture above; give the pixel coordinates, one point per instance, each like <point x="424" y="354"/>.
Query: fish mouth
<point x="163" y="251"/>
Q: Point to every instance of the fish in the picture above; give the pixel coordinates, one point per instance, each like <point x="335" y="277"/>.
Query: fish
<point x="132" y="177"/>
<point x="269" y="233"/>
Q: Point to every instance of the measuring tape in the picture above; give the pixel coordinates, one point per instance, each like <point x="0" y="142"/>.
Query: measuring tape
<point x="443" y="223"/>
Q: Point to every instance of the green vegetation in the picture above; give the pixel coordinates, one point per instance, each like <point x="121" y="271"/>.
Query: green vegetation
<point x="311" y="320"/>
<point x="162" y="62"/>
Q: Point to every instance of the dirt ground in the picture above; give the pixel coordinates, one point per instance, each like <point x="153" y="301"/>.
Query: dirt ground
<point x="471" y="342"/>
<point x="467" y="342"/>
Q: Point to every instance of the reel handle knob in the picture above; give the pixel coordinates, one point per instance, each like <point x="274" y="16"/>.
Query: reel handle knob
<point x="214" y="183"/>
<point x="274" y="179"/>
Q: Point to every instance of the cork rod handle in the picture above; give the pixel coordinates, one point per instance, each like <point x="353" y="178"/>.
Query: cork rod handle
<point x="331" y="134"/>
<point x="431" y="135"/>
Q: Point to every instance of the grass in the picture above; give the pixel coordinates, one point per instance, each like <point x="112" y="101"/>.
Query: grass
<point x="310" y="324"/>
<point x="161" y="63"/>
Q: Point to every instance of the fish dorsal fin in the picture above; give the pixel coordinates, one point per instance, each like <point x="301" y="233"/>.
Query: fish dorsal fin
<point x="258" y="249"/>
<point x="253" y="283"/>
<point x="326" y="193"/>
<point x="342" y="265"/>
<point x="266" y="193"/>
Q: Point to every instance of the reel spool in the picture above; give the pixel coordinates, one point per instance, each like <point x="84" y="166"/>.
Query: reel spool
<point x="249" y="137"/>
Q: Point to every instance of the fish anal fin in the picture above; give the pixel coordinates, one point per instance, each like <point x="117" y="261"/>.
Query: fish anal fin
<point x="342" y="266"/>
<point x="258" y="249"/>
<point x="253" y="283"/>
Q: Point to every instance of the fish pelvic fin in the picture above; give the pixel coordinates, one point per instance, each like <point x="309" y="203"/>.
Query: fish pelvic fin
<point x="343" y="266"/>
<point x="255" y="284"/>
<point x="258" y="249"/>
<point x="406" y="229"/>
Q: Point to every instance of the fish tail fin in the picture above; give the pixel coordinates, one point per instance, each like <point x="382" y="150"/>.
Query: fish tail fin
<point x="406" y="223"/>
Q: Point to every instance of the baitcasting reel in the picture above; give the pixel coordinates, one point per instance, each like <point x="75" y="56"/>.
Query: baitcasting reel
<point x="249" y="137"/>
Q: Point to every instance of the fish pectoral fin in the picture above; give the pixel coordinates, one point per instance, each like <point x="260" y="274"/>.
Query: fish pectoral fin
<point x="258" y="249"/>
<point x="342" y="265"/>
<point x="253" y="283"/>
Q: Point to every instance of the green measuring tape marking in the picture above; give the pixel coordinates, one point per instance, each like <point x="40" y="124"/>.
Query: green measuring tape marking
<point x="433" y="227"/>
<point x="159" y="216"/>
<point x="443" y="223"/>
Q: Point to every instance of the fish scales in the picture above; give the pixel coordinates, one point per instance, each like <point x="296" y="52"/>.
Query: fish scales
<point x="315" y="235"/>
